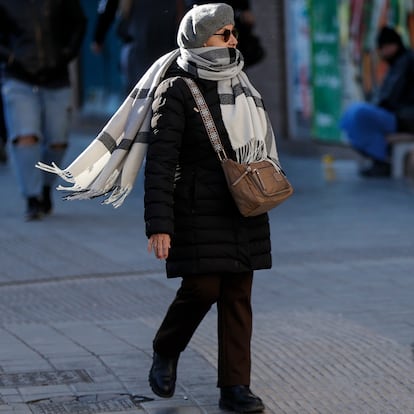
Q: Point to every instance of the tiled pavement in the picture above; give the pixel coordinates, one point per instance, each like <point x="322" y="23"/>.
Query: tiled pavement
<point x="80" y="299"/>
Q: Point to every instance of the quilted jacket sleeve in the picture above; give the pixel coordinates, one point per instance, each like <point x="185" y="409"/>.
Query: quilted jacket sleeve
<point x="168" y="124"/>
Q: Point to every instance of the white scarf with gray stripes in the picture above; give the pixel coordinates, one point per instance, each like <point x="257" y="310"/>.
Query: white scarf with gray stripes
<point x="110" y="164"/>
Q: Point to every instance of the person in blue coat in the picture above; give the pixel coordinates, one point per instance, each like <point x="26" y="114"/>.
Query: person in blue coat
<point x="368" y="124"/>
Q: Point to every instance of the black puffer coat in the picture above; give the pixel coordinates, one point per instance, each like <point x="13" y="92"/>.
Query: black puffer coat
<point x="186" y="193"/>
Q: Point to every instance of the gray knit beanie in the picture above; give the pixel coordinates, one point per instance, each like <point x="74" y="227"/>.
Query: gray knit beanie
<point x="201" y="22"/>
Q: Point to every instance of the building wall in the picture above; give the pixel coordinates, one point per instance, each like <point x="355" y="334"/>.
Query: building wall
<point x="269" y="76"/>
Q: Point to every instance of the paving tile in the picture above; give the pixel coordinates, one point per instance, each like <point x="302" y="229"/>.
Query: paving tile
<point x="333" y="318"/>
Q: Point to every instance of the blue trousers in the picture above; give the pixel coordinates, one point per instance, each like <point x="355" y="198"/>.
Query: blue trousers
<point x="366" y="127"/>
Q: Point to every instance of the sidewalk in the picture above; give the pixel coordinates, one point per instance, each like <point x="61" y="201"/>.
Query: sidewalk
<point x="80" y="300"/>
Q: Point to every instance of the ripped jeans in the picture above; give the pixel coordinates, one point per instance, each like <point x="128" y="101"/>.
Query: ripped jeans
<point x="45" y="114"/>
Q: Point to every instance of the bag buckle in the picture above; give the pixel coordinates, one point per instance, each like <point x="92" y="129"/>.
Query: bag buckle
<point x="222" y="155"/>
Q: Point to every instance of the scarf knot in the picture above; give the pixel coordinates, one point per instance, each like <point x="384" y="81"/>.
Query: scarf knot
<point x="211" y="63"/>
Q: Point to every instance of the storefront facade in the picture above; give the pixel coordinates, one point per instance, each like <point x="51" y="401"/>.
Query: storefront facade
<point x="331" y="59"/>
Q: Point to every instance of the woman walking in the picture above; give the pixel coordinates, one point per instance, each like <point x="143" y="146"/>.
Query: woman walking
<point x="191" y="219"/>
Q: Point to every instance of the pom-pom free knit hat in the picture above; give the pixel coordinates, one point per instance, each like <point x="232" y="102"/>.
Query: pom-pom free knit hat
<point x="201" y="22"/>
<point x="388" y="35"/>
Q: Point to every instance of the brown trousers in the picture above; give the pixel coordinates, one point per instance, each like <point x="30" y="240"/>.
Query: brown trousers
<point x="232" y="293"/>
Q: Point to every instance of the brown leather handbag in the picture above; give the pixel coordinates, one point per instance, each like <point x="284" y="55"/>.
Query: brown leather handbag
<point x="256" y="187"/>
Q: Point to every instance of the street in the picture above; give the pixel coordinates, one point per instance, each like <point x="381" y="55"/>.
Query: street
<point x="80" y="300"/>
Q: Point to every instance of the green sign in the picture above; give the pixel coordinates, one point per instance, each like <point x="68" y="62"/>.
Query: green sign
<point x="326" y="74"/>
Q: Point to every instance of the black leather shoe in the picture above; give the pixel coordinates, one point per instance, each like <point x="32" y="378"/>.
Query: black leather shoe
<point x="239" y="398"/>
<point x="46" y="200"/>
<point x="163" y="375"/>
<point x="3" y="153"/>
<point x="377" y="169"/>
<point x="33" y="209"/>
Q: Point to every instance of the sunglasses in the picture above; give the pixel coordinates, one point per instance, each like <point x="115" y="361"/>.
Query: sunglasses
<point x="227" y="33"/>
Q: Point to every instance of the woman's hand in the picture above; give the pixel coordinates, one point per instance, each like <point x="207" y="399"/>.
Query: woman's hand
<point x="161" y="244"/>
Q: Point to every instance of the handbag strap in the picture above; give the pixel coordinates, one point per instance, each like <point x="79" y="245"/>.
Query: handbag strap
<point x="207" y="119"/>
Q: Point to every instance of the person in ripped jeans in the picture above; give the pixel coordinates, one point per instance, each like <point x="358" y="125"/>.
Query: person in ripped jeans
<point x="37" y="42"/>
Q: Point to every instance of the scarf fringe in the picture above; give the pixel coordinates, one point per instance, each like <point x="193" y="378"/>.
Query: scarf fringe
<point x="81" y="194"/>
<point x="54" y="169"/>
<point x="78" y="192"/>
<point x="118" y="196"/>
<point x="253" y="151"/>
